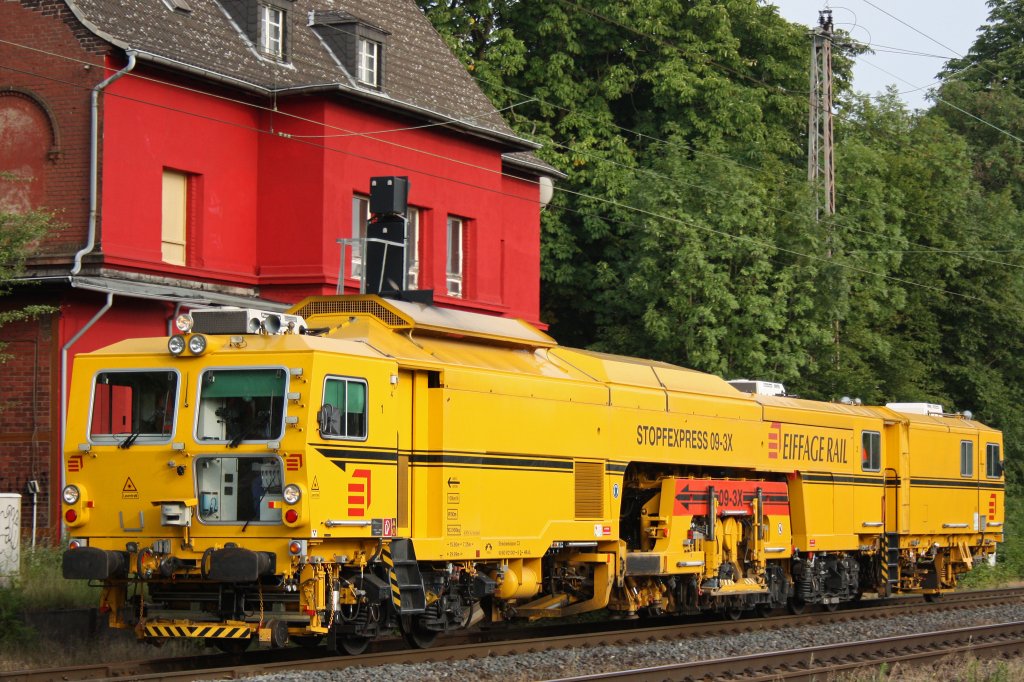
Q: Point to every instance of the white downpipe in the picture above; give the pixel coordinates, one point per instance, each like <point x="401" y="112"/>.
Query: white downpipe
<point x="64" y="382"/>
<point x="94" y="146"/>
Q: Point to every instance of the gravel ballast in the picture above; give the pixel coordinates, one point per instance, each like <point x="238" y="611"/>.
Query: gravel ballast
<point x="580" y="661"/>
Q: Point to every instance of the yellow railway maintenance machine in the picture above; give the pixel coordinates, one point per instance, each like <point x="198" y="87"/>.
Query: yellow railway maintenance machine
<point x="364" y="464"/>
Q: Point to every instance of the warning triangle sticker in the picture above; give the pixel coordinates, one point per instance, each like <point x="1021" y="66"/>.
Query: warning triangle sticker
<point x="316" y="484"/>
<point x="129" y="487"/>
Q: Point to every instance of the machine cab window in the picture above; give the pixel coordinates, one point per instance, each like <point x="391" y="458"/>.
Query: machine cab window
<point x="239" y="489"/>
<point x="133" y="406"/>
<point x="993" y="465"/>
<point x="240" y="405"/>
<point x="343" y="414"/>
<point x="966" y="458"/>
<point x="871" y="451"/>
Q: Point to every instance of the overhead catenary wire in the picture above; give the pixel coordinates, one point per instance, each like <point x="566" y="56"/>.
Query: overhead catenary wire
<point x="580" y="194"/>
<point x="651" y="214"/>
<point x="832" y="221"/>
<point x="619" y="24"/>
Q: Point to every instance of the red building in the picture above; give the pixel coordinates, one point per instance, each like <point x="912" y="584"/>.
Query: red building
<point x="215" y="152"/>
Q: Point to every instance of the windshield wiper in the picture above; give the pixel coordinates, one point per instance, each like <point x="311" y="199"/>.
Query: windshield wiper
<point x="239" y="437"/>
<point x="130" y="440"/>
<point x="256" y="512"/>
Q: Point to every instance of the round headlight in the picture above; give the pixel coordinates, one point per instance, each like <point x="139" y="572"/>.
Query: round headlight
<point x="197" y="344"/>
<point x="71" y="494"/>
<point x="176" y="344"/>
<point x="184" y="323"/>
<point x="291" y="493"/>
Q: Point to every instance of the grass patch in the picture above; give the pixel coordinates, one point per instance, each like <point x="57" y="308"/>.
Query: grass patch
<point x="953" y="669"/>
<point x="39" y="587"/>
<point x="42" y="585"/>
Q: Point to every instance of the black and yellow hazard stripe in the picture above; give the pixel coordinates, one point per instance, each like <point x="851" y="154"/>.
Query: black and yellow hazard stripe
<point x="212" y="631"/>
<point x="396" y="591"/>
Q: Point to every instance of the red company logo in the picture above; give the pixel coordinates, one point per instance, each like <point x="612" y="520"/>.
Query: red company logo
<point x="359" y="493"/>
<point x="75" y="463"/>
<point x="293" y="461"/>
<point x="774" y="440"/>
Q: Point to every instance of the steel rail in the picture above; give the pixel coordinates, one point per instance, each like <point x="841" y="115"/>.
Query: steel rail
<point x="823" y="662"/>
<point x="502" y="641"/>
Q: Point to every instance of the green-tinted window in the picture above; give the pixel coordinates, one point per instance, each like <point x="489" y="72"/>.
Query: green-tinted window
<point x="343" y="414"/>
<point x="239" y="405"/>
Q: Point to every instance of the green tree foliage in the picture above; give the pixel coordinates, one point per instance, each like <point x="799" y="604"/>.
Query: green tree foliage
<point x="685" y="230"/>
<point x="19" y="233"/>
<point x="982" y="98"/>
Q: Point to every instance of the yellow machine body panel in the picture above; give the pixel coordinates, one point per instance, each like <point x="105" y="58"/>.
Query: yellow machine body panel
<point x="401" y="452"/>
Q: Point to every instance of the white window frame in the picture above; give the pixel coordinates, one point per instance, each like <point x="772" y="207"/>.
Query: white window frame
<point x="412" y="248"/>
<point x="272" y="31"/>
<point x="368" y="62"/>
<point x="348" y="381"/>
<point x="360" y="219"/>
<point x="455" y="257"/>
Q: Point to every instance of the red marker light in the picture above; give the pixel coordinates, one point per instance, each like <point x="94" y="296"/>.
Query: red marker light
<point x="70" y="516"/>
<point x="295" y="547"/>
<point x="291" y="516"/>
<point x="74" y="544"/>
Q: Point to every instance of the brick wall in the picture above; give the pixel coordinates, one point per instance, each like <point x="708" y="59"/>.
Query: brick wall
<point x="49" y="58"/>
<point x="27" y="417"/>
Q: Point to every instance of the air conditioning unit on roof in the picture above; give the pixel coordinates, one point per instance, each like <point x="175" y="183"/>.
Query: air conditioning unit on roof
<point x="932" y="409"/>
<point x="758" y="387"/>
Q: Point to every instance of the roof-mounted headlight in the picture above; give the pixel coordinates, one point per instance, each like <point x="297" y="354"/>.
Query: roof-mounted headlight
<point x="176" y="344"/>
<point x="197" y="344"/>
<point x="184" y="323"/>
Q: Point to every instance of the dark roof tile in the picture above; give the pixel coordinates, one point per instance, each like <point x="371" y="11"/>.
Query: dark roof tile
<point x="421" y="73"/>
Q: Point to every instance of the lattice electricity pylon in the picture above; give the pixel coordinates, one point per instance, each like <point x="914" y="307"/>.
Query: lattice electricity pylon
<point x="820" y="162"/>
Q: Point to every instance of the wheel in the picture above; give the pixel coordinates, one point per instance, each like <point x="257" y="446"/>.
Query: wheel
<point x="831" y="607"/>
<point x="415" y="634"/>
<point x="763" y="610"/>
<point x="796" y="605"/>
<point x="231" y="646"/>
<point x="734" y="613"/>
<point x="353" y="645"/>
<point x="932" y="597"/>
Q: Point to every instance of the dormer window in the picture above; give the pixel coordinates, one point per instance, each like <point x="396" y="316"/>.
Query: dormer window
<point x="367" y="62"/>
<point x="272" y="31"/>
<point x="263" y="23"/>
<point x="356" y="46"/>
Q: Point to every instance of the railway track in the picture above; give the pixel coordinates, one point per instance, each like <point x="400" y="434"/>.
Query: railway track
<point x="510" y="641"/>
<point x="817" y="663"/>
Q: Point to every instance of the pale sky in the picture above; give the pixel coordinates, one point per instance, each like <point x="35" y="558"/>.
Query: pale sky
<point x="949" y="28"/>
